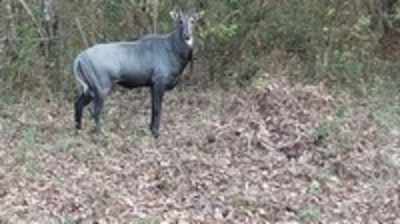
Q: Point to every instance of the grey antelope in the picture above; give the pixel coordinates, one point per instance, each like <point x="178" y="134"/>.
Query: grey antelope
<point x="154" y="61"/>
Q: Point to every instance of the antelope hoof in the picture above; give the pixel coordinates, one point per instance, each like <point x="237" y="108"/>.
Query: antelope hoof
<point x="155" y="132"/>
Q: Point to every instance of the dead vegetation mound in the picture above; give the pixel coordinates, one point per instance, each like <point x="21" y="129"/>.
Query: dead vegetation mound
<point x="280" y="117"/>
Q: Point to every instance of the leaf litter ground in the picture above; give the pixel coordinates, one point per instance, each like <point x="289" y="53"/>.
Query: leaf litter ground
<point x="280" y="154"/>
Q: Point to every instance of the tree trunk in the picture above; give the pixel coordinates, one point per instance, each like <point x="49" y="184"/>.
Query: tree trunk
<point x="156" y="6"/>
<point x="388" y="11"/>
<point x="11" y="31"/>
<point x="49" y="22"/>
<point x="381" y="11"/>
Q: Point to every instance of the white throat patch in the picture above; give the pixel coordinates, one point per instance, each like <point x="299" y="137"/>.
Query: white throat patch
<point x="190" y="42"/>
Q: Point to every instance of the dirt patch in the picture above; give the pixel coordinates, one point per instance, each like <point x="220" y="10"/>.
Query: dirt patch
<point x="391" y="44"/>
<point x="276" y="155"/>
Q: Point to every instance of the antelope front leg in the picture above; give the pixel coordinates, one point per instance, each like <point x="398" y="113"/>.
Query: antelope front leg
<point x="157" y="93"/>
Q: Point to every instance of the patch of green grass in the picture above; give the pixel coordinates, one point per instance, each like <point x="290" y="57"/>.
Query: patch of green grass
<point x="29" y="136"/>
<point x="138" y="136"/>
<point x="33" y="168"/>
<point x="244" y="204"/>
<point x="388" y="116"/>
<point x="67" y="220"/>
<point x="73" y="145"/>
<point x="391" y="159"/>
<point x="26" y="153"/>
<point x="331" y="131"/>
<point x="383" y="102"/>
<point x="310" y="214"/>
<point x="66" y="144"/>
<point x="7" y="99"/>
<point x="315" y="187"/>
<point x="147" y="221"/>
<point x="28" y="141"/>
<point x="331" y="126"/>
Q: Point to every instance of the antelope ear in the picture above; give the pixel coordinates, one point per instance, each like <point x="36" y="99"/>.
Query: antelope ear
<point x="175" y="14"/>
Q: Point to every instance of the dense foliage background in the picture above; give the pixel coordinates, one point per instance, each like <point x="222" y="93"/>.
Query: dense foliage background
<point x="349" y="43"/>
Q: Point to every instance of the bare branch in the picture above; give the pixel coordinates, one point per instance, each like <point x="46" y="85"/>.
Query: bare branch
<point x="29" y="11"/>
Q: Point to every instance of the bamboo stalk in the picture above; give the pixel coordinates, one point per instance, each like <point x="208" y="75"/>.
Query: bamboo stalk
<point x="83" y="35"/>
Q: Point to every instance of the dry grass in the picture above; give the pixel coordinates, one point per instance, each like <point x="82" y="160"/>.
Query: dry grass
<point x="279" y="154"/>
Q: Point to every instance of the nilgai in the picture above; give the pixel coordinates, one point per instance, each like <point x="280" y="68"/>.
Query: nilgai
<point x="154" y="61"/>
